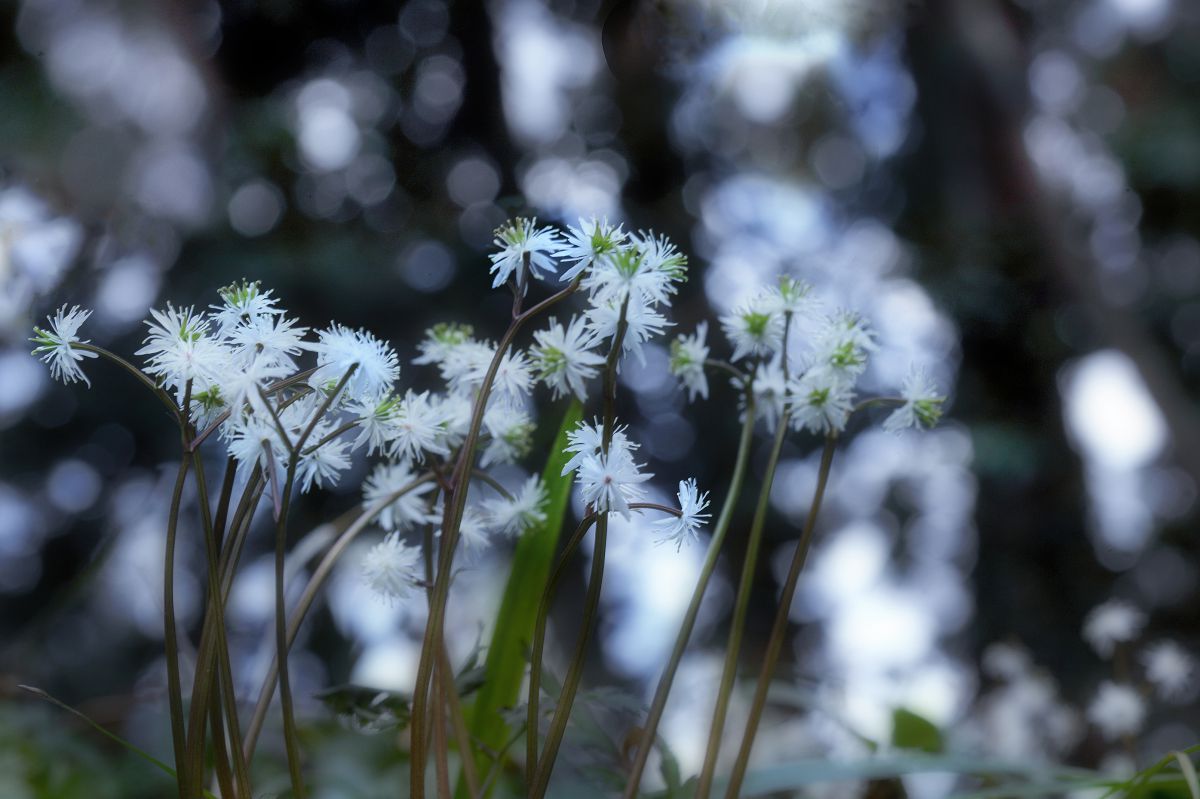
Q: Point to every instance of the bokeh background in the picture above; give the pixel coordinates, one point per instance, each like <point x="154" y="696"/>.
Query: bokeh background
<point x="1008" y="189"/>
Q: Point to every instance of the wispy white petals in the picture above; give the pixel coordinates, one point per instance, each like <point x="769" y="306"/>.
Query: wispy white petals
<point x="58" y="346"/>
<point x="686" y="526"/>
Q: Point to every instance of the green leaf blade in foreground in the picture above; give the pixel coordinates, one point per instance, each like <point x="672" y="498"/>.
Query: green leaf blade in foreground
<point x="511" y="640"/>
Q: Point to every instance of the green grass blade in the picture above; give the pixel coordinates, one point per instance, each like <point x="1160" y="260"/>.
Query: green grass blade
<point x="508" y="653"/>
<point x="40" y="694"/>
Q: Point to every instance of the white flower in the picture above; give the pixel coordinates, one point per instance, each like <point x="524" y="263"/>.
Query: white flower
<point x="645" y="270"/>
<point x="375" y="422"/>
<point x="770" y="392"/>
<point x="587" y="439"/>
<point x="415" y="427"/>
<point x="753" y="328"/>
<point x="587" y="244"/>
<point x="510" y="431"/>
<point x="391" y="568"/>
<point x="320" y="465"/>
<point x="790" y="296"/>
<point x="248" y="435"/>
<point x="1170" y="668"/>
<point x="1117" y="710"/>
<point x="842" y="345"/>
<point x="178" y="349"/>
<point x="1114" y="622"/>
<point x="922" y="404"/>
<point x="521" y="241"/>
<point x="609" y="482"/>
<point x="473" y="534"/>
<point x="688" y="354"/>
<point x="514" y="376"/>
<point x="56" y="346"/>
<point x="523" y="512"/>
<point x="692" y="516"/>
<point x="821" y="401"/>
<point x="270" y="336"/>
<point x="1006" y="661"/>
<point x="404" y="511"/>
<point x="243" y="302"/>
<point x="338" y="348"/>
<point x="563" y="358"/>
<point x="240" y="385"/>
<point x="455" y="412"/>
<point x="465" y="365"/>
<point x="441" y="340"/>
<point x="641" y="324"/>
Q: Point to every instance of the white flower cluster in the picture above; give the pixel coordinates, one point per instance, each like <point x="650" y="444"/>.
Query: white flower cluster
<point x="1023" y="716"/>
<point x="815" y="388"/>
<point x="1119" y="708"/>
<point x="629" y="278"/>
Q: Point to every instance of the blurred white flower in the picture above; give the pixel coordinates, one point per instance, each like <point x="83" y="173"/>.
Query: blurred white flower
<point x="1170" y="668"/>
<point x="688" y="354"/>
<point x="1117" y="710"/>
<point x="392" y="568"/>
<point x="523" y="512"/>
<point x="922" y="403"/>
<point x="1114" y="622"/>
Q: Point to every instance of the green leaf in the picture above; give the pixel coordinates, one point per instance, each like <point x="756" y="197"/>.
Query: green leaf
<point x="910" y="731"/>
<point x="513" y="632"/>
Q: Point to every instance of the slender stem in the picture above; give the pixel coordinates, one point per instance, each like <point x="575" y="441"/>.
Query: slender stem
<point x="213" y="650"/>
<point x="725" y="366"/>
<point x="532" y="711"/>
<point x="281" y="644"/>
<point x="220" y="752"/>
<point x="345" y="428"/>
<point x="462" y="735"/>
<point x="271" y="389"/>
<point x="779" y="628"/>
<point x="311" y="589"/>
<point x="137" y="373"/>
<point x="492" y="482"/>
<point x="566" y="698"/>
<point x="737" y="625"/>
<point x="290" y="738"/>
<point x="441" y="762"/>
<point x="174" y="686"/>
<point x="650" y="728"/>
<point x="451" y="521"/>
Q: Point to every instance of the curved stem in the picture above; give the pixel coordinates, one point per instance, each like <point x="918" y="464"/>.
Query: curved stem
<point x="650" y="728"/>
<point x="779" y="628"/>
<point x="174" y="685"/>
<point x="451" y="521"/>
<point x="311" y="589"/>
<point x="138" y="374"/>
<point x="566" y="698"/>
<point x="492" y="482"/>
<point x="291" y="744"/>
<point x="290" y="737"/>
<point x="539" y="642"/>
<point x="737" y="625"/>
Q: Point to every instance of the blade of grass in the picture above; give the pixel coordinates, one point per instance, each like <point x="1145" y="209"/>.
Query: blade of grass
<point x="1189" y="773"/>
<point x="508" y="653"/>
<point x="143" y="754"/>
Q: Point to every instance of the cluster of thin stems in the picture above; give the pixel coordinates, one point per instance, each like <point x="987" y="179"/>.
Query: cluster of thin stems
<point x="210" y="731"/>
